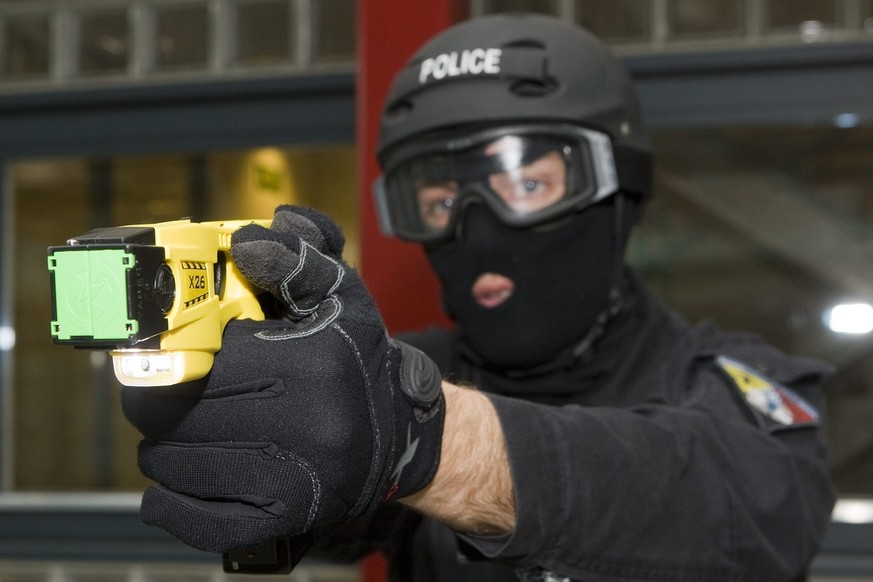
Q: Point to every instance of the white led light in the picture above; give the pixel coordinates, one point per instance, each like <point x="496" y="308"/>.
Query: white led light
<point x="7" y="338"/>
<point x="853" y="318"/>
<point x="148" y="367"/>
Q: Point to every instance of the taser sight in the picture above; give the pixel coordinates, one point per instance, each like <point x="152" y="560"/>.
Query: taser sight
<point x="156" y="296"/>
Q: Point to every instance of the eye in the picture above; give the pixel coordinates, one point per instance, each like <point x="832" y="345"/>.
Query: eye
<point x="531" y="186"/>
<point x="435" y="203"/>
<point x="435" y="207"/>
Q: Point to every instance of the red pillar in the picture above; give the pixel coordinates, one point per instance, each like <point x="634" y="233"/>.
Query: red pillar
<point x="389" y="32"/>
<point x="397" y="274"/>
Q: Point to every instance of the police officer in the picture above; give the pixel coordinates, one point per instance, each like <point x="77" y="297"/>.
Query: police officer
<point x="603" y="437"/>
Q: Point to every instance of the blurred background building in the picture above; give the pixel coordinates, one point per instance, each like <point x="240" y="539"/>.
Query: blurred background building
<point x="133" y="111"/>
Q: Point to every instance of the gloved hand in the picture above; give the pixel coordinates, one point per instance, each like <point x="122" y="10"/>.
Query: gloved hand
<point x="304" y="421"/>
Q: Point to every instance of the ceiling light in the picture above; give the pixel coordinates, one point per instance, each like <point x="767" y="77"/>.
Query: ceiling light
<point x="854" y="318"/>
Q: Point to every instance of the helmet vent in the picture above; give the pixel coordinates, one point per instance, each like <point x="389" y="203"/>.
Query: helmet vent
<point x="398" y="110"/>
<point x="529" y="88"/>
<point x="526" y="43"/>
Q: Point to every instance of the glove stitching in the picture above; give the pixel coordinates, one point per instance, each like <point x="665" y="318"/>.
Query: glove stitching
<point x="282" y="454"/>
<point x="368" y="491"/>
<point x="316" y="485"/>
<point x="283" y="287"/>
<point x="316" y="490"/>
<point x="336" y="309"/>
<point x="339" y="276"/>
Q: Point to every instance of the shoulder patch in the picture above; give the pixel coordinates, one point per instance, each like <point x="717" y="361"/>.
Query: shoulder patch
<point x="780" y="406"/>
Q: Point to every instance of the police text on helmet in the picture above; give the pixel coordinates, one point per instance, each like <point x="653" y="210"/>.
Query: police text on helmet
<point x="468" y="62"/>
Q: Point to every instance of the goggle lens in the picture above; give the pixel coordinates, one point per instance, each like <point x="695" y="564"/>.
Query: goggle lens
<point x="525" y="177"/>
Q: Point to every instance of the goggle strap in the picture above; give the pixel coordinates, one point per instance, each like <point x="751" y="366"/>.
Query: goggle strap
<point x="634" y="168"/>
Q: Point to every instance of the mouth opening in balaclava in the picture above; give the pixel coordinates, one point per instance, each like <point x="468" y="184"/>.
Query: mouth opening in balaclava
<point x="561" y="275"/>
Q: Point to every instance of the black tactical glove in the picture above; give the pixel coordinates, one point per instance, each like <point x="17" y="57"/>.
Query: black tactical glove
<point x="304" y="421"/>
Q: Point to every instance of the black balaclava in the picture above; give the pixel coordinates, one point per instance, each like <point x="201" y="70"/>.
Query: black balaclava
<point x="565" y="273"/>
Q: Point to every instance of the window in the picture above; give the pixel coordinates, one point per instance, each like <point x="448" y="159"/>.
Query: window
<point x="26" y="47"/>
<point x="543" y="6"/>
<point x="800" y="14"/>
<point x="263" y="33"/>
<point x="617" y="21"/>
<point x="335" y="27"/>
<point x="48" y="44"/>
<point x="698" y="17"/>
<point x="182" y="38"/>
<point x="104" y="42"/>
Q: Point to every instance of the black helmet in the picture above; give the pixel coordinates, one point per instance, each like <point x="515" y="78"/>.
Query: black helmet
<point x="518" y="68"/>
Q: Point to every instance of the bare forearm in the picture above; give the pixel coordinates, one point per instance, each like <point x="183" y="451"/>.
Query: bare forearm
<point x="472" y="489"/>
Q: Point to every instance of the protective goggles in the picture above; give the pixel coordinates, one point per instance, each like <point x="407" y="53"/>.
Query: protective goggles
<point x="527" y="175"/>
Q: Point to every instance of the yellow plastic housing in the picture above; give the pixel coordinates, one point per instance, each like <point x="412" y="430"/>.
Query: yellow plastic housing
<point x="198" y="315"/>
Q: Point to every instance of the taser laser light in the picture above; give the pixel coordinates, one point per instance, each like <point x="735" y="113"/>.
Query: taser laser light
<point x="156" y="296"/>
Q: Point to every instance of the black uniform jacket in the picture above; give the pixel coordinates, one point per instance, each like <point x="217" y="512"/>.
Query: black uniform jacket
<point x="669" y="453"/>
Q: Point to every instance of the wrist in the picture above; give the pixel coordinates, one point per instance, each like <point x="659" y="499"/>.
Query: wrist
<point x="472" y="488"/>
<point x="419" y="412"/>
